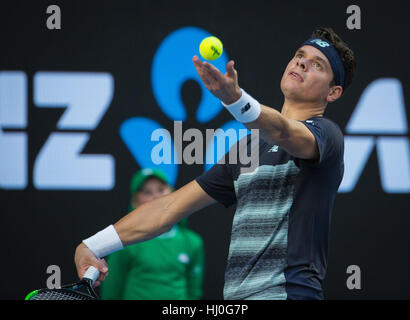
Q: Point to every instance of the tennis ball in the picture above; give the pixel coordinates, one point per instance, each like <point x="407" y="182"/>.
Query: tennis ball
<point x="211" y="48"/>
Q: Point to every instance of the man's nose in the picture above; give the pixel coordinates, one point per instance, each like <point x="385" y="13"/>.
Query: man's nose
<point x="302" y="63"/>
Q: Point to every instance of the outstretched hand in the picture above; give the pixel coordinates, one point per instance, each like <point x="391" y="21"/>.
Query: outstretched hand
<point x="223" y="86"/>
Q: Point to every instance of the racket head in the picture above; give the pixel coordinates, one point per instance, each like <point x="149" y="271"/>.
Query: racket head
<point x="70" y="292"/>
<point x="58" y="294"/>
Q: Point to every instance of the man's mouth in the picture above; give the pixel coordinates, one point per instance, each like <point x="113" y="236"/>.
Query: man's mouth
<point x="296" y="76"/>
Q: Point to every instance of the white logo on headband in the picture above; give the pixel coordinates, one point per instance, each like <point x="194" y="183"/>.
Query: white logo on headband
<point x="321" y="43"/>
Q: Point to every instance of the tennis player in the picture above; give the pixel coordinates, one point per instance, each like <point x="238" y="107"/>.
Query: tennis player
<point x="280" y="230"/>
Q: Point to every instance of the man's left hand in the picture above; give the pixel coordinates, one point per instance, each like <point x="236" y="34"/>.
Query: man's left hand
<point x="223" y="86"/>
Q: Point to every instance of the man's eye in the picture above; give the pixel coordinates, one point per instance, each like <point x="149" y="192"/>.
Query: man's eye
<point x="317" y="65"/>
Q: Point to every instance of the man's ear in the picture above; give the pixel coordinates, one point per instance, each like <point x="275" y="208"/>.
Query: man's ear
<point x="334" y="93"/>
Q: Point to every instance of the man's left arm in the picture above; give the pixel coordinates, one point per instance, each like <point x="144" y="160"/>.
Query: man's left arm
<point x="291" y="135"/>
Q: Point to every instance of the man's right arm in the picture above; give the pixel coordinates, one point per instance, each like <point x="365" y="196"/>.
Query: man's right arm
<point x="155" y="217"/>
<point x="146" y="222"/>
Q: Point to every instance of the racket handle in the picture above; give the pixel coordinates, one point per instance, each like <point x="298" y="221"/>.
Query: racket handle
<point x="92" y="274"/>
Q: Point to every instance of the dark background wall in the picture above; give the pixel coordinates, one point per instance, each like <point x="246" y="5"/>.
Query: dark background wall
<point x="41" y="227"/>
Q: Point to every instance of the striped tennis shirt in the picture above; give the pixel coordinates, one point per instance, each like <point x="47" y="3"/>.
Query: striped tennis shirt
<point x="280" y="229"/>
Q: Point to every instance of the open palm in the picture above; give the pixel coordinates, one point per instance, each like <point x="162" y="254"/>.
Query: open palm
<point x="223" y="86"/>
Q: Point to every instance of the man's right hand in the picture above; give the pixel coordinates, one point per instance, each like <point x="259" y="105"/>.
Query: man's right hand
<point x="84" y="258"/>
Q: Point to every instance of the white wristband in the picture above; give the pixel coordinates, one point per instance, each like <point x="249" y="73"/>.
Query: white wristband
<point x="104" y="242"/>
<point x="246" y="109"/>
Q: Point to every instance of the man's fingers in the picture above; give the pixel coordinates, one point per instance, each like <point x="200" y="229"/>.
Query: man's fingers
<point x="203" y="72"/>
<point x="214" y="72"/>
<point x="206" y="69"/>
<point x="212" y="78"/>
<point x="102" y="276"/>
<point x="230" y="70"/>
<point x="103" y="266"/>
<point x="200" y="69"/>
<point x="84" y="259"/>
<point x="197" y="62"/>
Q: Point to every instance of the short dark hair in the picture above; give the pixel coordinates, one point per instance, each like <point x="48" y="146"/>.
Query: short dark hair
<point x="345" y="53"/>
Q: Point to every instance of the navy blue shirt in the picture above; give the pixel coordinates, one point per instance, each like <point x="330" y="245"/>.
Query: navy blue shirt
<point x="280" y="231"/>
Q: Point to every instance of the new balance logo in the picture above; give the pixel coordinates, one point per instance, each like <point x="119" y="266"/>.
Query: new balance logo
<point x="380" y="121"/>
<point x="245" y="108"/>
<point x="275" y="148"/>
<point x="320" y="42"/>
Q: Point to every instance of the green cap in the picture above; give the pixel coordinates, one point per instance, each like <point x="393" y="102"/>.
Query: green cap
<point x="141" y="176"/>
<point x="139" y="179"/>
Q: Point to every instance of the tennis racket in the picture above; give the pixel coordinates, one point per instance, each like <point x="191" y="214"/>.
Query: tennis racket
<point x="81" y="290"/>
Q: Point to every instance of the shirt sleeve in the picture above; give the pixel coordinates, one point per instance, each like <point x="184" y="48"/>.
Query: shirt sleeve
<point x="217" y="182"/>
<point x="329" y="139"/>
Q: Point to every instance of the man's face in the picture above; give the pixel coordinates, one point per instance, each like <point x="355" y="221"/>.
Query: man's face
<point x="307" y="76"/>
<point x="153" y="188"/>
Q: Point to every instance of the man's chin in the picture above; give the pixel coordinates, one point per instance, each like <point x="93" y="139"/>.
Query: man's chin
<point x="292" y="93"/>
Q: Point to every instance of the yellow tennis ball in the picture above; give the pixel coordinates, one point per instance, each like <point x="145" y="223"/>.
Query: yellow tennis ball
<point x="211" y="48"/>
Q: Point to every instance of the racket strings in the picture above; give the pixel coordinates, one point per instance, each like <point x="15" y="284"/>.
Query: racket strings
<point x="60" y="295"/>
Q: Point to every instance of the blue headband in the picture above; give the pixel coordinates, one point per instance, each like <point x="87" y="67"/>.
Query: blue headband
<point x="330" y="52"/>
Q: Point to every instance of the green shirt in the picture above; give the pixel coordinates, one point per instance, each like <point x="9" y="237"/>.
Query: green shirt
<point x="169" y="267"/>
